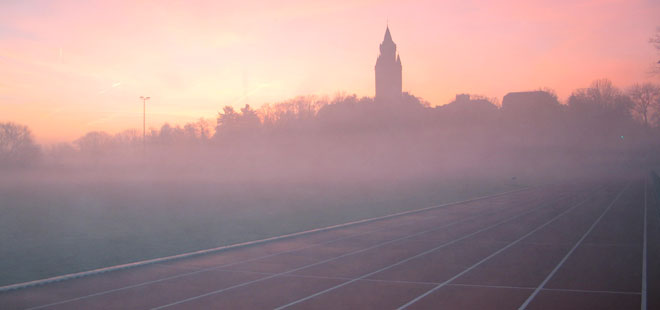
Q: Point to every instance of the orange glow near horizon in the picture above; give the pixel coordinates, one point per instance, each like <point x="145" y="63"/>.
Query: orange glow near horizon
<point x="69" y="67"/>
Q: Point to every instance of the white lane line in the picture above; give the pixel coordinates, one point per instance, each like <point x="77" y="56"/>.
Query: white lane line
<point x="545" y="289"/>
<point x="77" y="275"/>
<point x="563" y="260"/>
<point x="328" y="260"/>
<point x="214" y="268"/>
<point x="435" y="283"/>
<point x="240" y="262"/>
<point x="644" y="287"/>
<point x="489" y="286"/>
<point x="590" y="291"/>
<point x="433" y="208"/>
<point x="330" y="277"/>
<point x="531" y="288"/>
<point x="439" y="286"/>
<point x="409" y="258"/>
<point x="593" y="244"/>
<point x="611" y="245"/>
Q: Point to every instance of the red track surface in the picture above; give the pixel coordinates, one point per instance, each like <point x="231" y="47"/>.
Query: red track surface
<point x="569" y="246"/>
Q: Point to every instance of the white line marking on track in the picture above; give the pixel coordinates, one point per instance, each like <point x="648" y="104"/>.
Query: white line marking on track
<point x="545" y="289"/>
<point x="330" y="259"/>
<point x="433" y="208"/>
<point x="248" y="243"/>
<point x="214" y="268"/>
<point x="416" y="299"/>
<point x="563" y="260"/>
<point x="436" y="283"/>
<point x="336" y="278"/>
<point x="409" y="258"/>
<point x="644" y="288"/>
<point x="590" y="291"/>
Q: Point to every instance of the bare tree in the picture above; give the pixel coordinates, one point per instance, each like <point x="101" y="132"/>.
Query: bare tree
<point x="601" y="95"/>
<point x="17" y="147"/>
<point x="599" y="112"/>
<point x="644" y="97"/>
<point x="203" y="128"/>
<point x="655" y="40"/>
<point x="297" y="110"/>
<point x="95" y="143"/>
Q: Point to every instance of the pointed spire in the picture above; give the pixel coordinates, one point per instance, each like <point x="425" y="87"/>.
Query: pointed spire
<point x="388" y="36"/>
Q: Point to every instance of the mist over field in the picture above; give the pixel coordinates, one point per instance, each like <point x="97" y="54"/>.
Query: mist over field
<point x="329" y="155"/>
<point x="309" y="162"/>
<point x="112" y="197"/>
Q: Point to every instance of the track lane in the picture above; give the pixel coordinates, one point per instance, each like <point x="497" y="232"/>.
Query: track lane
<point x="441" y="246"/>
<point x="239" y="255"/>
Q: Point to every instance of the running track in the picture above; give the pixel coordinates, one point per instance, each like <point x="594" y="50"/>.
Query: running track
<point x="580" y="245"/>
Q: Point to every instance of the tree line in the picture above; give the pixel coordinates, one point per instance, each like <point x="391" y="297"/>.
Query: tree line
<point x="598" y="121"/>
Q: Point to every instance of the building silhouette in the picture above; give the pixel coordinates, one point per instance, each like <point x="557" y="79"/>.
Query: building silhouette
<point x="530" y="105"/>
<point x="388" y="71"/>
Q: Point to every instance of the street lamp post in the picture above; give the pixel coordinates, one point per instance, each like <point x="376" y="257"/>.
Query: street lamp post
<point x="144" y="119"/>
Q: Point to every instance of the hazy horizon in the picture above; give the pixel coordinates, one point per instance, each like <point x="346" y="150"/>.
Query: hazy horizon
<point x="72" y="67"/>
<point x="340" y="155"/>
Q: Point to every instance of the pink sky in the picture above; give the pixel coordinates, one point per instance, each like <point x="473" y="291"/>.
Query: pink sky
<point x="68" y="67"/>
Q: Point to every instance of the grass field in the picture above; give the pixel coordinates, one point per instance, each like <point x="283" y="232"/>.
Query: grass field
<point x="55" y="225"/>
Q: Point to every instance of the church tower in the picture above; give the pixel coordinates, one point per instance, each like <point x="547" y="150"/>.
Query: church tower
<point x="388" y="71"/>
